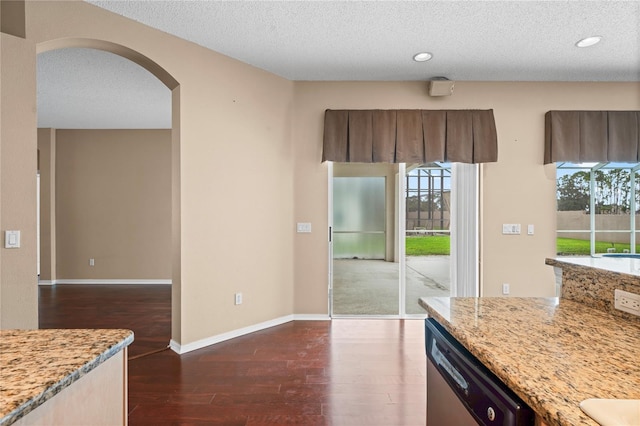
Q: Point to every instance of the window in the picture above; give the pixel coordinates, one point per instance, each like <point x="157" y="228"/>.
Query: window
<point x="597" y="207"/>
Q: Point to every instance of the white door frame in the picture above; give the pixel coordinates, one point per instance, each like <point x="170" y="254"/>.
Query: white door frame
<point x="400" y="231"/>
<point x="330" y="235"/>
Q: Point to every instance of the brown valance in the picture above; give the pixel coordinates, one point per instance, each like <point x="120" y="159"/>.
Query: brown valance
<point x="409" y="136"/>
<point x="592" y="136"/>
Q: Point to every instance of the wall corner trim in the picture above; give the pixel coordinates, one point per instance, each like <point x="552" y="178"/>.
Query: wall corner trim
<point x="199" y="344"/>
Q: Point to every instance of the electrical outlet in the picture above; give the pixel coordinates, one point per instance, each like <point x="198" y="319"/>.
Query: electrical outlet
<point x="238" y="298"/>
<point x="627" y="302"/>
<point x="505" y="288"/>
<point x="92" y="262"/>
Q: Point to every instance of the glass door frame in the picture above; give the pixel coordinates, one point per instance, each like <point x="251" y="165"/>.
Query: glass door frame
<point x="465" y="252"/>
<point x="401" y="248"/>
<point x="330" y="235"/>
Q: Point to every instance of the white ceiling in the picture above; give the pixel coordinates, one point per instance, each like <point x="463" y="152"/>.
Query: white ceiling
<point x="346" y="40"/>
<point x="93" y="89"/>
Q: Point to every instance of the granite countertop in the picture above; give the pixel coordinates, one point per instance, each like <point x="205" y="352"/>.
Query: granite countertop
<point x="619" y="264"/>
<point x="553" y="353"/>
<point x="35" y="365"/>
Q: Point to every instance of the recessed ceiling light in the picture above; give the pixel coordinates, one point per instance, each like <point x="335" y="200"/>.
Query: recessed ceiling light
<point x="589" y="41"/>
<point x="422" y="56"/>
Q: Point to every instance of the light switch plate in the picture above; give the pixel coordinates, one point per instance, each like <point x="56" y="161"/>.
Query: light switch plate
<point x="510" y="228"/>
<point x="303" y="227"/>
<point x="11" y="239"/>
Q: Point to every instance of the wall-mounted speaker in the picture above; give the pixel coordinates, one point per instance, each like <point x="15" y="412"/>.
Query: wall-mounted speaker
<point x="441" y="87"/>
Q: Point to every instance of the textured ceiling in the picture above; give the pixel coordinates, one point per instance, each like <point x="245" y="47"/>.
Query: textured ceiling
<point x="366" y="40"/>
<point x="89" y="89"/>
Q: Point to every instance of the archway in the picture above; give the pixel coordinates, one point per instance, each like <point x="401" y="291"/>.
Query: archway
<point x="172" y="84"/>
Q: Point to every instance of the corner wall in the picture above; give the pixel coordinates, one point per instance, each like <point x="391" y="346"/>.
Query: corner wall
<point x="18" y="163"/>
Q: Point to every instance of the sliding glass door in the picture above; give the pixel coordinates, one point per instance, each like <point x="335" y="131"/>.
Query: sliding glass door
<point x="364" y="282"/>
<point x="396" y="233"/>
<point x="427" y="223"/>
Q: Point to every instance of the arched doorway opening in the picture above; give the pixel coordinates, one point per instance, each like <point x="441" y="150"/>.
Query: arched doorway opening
<point x="173" y="164"/>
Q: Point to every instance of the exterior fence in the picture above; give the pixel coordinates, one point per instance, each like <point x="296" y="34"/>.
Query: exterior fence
<point x="439" y="220"/>
<point x="578" y="220"/>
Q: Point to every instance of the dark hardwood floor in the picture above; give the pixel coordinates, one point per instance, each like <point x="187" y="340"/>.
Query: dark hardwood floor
<point x="145" y="309"/>
<point x="340" y="372"/>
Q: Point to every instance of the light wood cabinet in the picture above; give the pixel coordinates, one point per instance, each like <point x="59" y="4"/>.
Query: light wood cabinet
<point x="98" y="398"/>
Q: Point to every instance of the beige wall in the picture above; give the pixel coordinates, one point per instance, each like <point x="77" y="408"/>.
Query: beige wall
<point x="233" y="147"/>
<point x="47" y="167"/>
<point x="18" y="274"/>
<point x="516" y="189"/>
<point x="113" y="204"/>
<point x="243" y="129"/>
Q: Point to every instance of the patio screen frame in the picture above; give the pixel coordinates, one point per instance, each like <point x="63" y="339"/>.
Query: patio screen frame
<point x="592" y="168"/>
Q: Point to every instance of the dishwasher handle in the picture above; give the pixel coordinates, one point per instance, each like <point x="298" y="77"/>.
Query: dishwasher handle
<point x="441" y="361"/>
<point x="487" y="398"/>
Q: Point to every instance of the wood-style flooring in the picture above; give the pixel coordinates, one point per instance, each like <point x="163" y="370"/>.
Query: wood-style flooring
<point x="340" y="372"/>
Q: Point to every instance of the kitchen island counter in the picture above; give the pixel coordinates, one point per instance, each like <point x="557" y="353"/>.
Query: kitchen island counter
<point x="553" y="353"/>
<point x="618" y="264"/>
<point x="592" y="281"/>
<point x="37" y="365"/>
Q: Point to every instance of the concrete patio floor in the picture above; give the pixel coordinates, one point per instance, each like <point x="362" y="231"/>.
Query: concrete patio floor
<point x="370" y="287"/>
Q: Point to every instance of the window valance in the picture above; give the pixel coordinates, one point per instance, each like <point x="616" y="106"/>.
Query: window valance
<point x="592" y="136"/>
<point x="409" y="136"/>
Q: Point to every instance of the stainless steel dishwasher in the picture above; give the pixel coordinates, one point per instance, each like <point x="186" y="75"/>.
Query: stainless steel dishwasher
<point x="463" y="392"/>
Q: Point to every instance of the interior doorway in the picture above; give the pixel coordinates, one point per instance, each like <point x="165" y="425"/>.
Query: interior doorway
<point x="122" y="59"/>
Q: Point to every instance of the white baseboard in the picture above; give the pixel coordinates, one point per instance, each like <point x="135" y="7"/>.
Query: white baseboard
<point x="103" y="281"/>
<point x="175" y="346"/>
<point x="199" y="344"/>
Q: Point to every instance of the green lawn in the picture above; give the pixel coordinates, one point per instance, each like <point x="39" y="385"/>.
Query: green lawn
<point x="439" y="245"/>
<point x="569" y="246"/>
<point x="427" y="246"/>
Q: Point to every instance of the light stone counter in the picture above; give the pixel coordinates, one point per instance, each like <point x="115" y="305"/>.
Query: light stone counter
<point x="552" y="352"/>
<point x="619" y="264"/>
<point x="592" y="281"/>
<point x="36" y="365"/>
